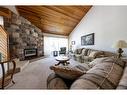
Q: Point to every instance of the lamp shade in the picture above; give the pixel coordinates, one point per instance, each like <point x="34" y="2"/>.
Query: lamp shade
<point x="120" y="44"/>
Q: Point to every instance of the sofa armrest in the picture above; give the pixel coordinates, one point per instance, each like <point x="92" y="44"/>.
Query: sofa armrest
<point x="55" y="82"/>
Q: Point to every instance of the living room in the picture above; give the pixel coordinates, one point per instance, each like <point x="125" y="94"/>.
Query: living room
<point x="94" y="33"/>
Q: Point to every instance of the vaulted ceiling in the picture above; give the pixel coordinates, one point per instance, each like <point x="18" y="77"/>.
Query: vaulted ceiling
<point x="60" y="20"/>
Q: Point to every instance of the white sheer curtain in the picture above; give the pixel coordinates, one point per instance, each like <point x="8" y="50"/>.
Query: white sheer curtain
<point x="53" y="44"/>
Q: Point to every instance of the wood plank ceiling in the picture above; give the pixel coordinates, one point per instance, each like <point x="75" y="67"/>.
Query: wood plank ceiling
<point x="60" y="20"/>
<point x="5" y="12"/>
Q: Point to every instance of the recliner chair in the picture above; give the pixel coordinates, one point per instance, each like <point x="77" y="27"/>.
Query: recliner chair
<point x="62" y="50"/>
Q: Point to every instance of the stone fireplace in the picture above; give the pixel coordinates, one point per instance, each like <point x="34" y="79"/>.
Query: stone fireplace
<point x="24" y="38"/>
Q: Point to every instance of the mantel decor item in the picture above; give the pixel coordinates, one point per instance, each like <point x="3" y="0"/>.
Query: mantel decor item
<point x="120" y="44"/>
<point x="87" y="39"/>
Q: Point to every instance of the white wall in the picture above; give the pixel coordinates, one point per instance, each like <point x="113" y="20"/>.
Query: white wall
<point x="109" y="23"/>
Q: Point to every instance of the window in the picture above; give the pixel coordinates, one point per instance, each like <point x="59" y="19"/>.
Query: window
<point x="3" y="44"/>
<point x="53" y="44"/>
<point x="3" y="48"/>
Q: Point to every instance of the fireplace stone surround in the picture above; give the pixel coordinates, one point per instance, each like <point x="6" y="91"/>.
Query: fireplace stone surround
<point x="23" y="35"/>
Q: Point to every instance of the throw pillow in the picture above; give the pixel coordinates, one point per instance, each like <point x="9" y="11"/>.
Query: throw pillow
<point x="86" y="59"/>
<point x="93" y="54"/>
<point x="96" y="61"/>
<point x="84" y="52"/>
<point x="67" y="72"/>
<point x="79" y="51"/>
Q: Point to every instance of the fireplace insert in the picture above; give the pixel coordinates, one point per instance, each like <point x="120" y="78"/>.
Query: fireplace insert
<point x="30" y="53"/>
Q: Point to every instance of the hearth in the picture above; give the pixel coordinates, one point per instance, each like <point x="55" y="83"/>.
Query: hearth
<point x="30" y="53"/>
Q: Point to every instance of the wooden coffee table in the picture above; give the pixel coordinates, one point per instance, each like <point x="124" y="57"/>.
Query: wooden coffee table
<point x="62" y="60"/>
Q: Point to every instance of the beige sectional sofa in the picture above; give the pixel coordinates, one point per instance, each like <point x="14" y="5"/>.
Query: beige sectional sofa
<point x="104" y="73"/>
<point x="84" y="55"/>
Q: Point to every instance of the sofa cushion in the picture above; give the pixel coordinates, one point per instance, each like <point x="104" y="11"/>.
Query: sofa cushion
<point x="123" y="81"/>
<point x="89" y="51"/>
<point x="93" y="54"/>
<point x="109" y="54"/>
<point x="77" y="57"/>
<point x="84" y="51"/>
<point x="79" y="51"/>
<point x="105" y="75"/>
<point x="67" y="72"/>
<point x="82" y="67"/>
<point x="86" y="59"/>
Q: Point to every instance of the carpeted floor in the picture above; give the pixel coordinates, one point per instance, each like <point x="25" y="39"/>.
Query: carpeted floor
<point x="34" y="76"/>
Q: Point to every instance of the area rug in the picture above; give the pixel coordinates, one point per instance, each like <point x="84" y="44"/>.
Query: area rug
<point x="34" y="76"/>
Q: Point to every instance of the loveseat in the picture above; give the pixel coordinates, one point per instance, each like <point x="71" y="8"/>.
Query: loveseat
<point x="84" y="55"/>
<point x="104" y="73"/>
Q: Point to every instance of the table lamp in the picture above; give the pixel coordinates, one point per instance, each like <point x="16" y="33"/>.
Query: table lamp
<point x="120" y="44"/>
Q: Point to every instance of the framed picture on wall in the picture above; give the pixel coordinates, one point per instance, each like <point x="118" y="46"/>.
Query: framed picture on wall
<point x="87" y="39"/>
<point x="72" y="42"/>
